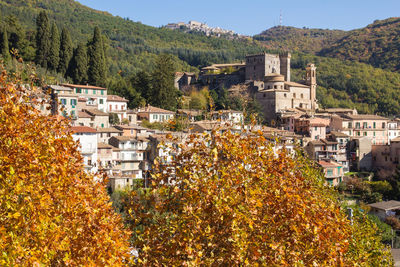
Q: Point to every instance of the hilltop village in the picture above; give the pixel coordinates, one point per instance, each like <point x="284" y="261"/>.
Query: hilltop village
<point x="114" y="138"/>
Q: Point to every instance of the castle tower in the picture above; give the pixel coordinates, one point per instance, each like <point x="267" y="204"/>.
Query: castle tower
<point x="311" y="80"/>
<point x="284" y="59"/>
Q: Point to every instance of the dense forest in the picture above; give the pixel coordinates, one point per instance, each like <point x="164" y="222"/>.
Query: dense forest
<point x="303" y="40"/>
<point x="377" y="44"/>
<point x="131" y="52"/>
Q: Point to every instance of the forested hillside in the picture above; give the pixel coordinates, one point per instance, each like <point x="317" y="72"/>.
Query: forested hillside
<point x="295" y="39"/>
<point x="133" y="45"/>
<point x="131" y="50"/>
<point x="377" y="44"/>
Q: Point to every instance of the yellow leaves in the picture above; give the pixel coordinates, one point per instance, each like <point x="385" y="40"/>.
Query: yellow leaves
<point x="52" y="210"/>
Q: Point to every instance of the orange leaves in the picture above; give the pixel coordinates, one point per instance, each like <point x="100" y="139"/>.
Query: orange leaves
<point x="51" y="211"/>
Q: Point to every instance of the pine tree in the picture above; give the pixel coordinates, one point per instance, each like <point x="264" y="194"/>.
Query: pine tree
<point x="163" y="92"/>
<point x="42" y="39"/>
<point x="54" y="55"/>
<point x="66" y="51"/>
<point x="78" y="67"/>
<point x="96" y="58"/>
<point x="4" y="49"/>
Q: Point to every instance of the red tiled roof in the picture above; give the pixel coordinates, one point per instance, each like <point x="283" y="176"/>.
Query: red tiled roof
<point x="151" y="109"/>
<point x="116" y="98"/>
<point x="82" y="114"/>
<point x="82" y="86"/>
<point x="328" y="164"/>
<point x="82" y="129"/>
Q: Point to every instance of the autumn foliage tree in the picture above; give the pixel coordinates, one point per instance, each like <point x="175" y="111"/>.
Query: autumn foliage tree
<point x="52" y="213"/>
<point x="230" y="200"/>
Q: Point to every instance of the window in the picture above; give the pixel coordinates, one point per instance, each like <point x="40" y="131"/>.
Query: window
<point x="110" y="107"/>
<point x="87" y="91"/>
<point x="73" y="102"/>
<point x="301" y="95"/>
<point x="315" y="128"/>
<point x="101" y="101"/>
<point x="108" y="134"/>
<point x="94" y="92"/>
<point x="374" y="124"/>
<point x="275" y="87"/>
<point x="358" y="125"/>
<point x="350" y="125"/>
<point x="63" y="101"/>
<point x="78" y="90"/>
<point x="116" y="107"/>
<point x="329" y="172"/>
<point x="73" y="113"/>
<point x="374" y="133"/>
<point x="358" y="133"/>
<point x="365" y="125"/>
<point x="294" y="95"/>
<point x="365" y="133"/>
<point x="102" y="125"/>
<point x="284" y="95"/>
<point x="383" y="125"/>
<point x="102" y="92"/>
<point x="264" y="95"/>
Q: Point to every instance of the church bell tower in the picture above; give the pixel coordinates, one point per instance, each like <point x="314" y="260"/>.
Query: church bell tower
<point x="311" y="80"/>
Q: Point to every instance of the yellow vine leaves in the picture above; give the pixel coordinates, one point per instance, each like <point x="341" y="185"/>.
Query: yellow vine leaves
<point x="51" y="211"/>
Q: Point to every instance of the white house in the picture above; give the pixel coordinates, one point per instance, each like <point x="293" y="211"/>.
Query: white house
<point x="117" y="105"/>
<point x="154" y="114"/>
<point x="87" y="138"/>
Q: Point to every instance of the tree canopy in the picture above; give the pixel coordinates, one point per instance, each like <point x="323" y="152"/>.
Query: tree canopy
<point x="231" y="200"/>
<point x="52" y="213"/>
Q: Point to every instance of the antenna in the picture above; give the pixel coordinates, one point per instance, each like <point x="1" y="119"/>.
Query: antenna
<point x="280" y="18"/>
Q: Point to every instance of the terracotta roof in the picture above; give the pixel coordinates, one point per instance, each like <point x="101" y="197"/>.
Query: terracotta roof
<point x="83" y="114"/>
<point x="151" y="109"/>
<point x="293" y="84"/>
<point x="386" y="205"/>
<point x="109" y="130"/>
<point x="129" y="138"/>
<point x="324" y="163"/>
<point x="82" y="86"/>
<point x="316" y="124"/>
<point x="210" y="125"/>
<point x="365" y="117"/>
<point x="130" y="127"/>
<point x="82" y="129"/>
<point x="95" y="112"/>
<point x="58" y="87"/>
<point x="339" y="134"/>
<point x="104" y="145"/>
<point x="116" y="98"/>
<point x="327" y="142"/>
<point x="317" y="142"/>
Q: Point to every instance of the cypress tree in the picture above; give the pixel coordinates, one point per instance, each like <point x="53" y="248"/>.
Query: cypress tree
<point x="78" y="67"/>
<point x="96" y="57"/>
<point x="66" y="51"/>
<point x="42" y="39"/>
<point x="54" y="53"/>
<point x="4" y="49"/>
<point x="163" y="92"/>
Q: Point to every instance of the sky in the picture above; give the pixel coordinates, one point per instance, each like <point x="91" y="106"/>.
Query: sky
<point x="251" y="17"/>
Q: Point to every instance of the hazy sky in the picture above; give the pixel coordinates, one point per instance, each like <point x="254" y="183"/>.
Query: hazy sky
<point x="253" y="16"/>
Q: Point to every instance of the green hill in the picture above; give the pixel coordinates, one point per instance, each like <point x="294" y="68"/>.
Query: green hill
<point x="377" y="44"/>
<point x="295" y="39"/>
<point x="134" y="46"/>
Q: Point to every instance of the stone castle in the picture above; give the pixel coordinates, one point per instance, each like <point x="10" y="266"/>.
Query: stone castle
<point x="275" y="92"/>
<point x="265" y="77"/>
